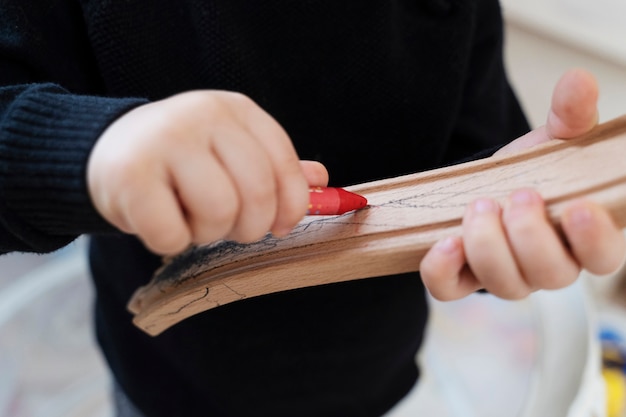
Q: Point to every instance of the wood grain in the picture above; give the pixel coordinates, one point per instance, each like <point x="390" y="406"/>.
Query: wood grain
<point x="405" y="217"/>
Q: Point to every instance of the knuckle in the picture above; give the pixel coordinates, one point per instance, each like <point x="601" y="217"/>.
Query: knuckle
<point x="512" y="294"/>
<point x="293" y="210"/>
<point x="520" y="294"/>
<point x="215" y="216"/>
<point x="224" y="213"/>
<point x="171" y="242"/>
<point x="505" y="284"/>
<point x="522" y="227"/>
<point x="240" y="99"/>
<point x="219" y="224"/>
<point x="211" y="105"/>
<point x="160" y="230"/>
<point x="222" y="103"/>
<point x="262" y="195"/>
<point x="442" y="295"/>
<point x="251" y="228"/>
<point x="439" y="287"/>
<point x="556" y="278"/>
<point x="125" y="168"/>
<point x="426" y="272"/>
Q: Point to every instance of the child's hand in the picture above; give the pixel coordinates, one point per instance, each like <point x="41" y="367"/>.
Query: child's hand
<point x="513" y="250"/>
<point x="198" y="167"/>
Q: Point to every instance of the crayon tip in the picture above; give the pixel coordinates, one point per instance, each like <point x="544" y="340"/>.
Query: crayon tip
<point x="350" y="201"/>
<point x="327" y="201"/>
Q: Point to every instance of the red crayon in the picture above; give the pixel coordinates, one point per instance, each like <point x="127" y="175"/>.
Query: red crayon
<point x="330" y="201"/>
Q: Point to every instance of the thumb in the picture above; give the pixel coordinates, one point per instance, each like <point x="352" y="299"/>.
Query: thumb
<point x="574" y="109"/>
<point x="573" y="112"/>
<point x="315" y="173"/>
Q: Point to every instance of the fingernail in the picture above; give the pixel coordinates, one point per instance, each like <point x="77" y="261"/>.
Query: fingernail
<point x="485" y="205"/>
<point x="447" y="245"/>
<point x="524" y="198"/>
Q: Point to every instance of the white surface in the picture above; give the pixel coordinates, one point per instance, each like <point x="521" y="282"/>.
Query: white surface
<point x="487" y="357"/>
<point x="596" y="26"/>
<point x="535" y="63"/>
<point x="49" y="364"/>
<point x="543" y="41"/>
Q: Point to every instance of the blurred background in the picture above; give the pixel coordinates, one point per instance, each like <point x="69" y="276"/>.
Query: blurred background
<point x="483" y="356"/>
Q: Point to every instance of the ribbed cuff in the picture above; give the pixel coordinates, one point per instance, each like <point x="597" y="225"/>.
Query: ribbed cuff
<point x="47" y="136"/>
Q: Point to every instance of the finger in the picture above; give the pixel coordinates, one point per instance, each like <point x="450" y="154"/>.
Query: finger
<point x="445" y="272"/>
<point x="156" y="216"/>
<point x="532" y="138"/>
<point x="596" y="242"/>
<point x="539" y="252"/>
<point x="315" y="173"/>
<point x="488" y="253"/>
<point x="250" y="169"/>
<point x="292" y="187"/>
<point x="206" y="193"/>
<point x="573" y="112"/>
<point x="574" y="109"/>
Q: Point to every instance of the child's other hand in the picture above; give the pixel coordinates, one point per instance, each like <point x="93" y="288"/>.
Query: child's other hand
<point x="513" y="250"/>
<point x="199" y="167"/>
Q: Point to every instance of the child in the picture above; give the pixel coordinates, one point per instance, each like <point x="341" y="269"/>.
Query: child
<point x="153" y="125"/>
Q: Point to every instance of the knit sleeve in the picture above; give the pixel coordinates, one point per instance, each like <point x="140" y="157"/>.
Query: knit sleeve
<point x="46" y="135"/>
<point x="52" y="110"/>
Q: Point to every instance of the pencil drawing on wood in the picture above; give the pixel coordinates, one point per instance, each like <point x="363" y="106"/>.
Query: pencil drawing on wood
<point x="405" y="217"/>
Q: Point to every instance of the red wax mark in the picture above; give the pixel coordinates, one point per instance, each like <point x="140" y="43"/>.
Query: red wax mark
<point x="330" y="201"/>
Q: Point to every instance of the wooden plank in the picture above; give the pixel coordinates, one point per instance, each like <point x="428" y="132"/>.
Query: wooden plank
<point x="405" y="217"/>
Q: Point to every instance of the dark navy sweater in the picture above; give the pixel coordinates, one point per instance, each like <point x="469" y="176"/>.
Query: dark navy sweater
<point x="371" y="88"/>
